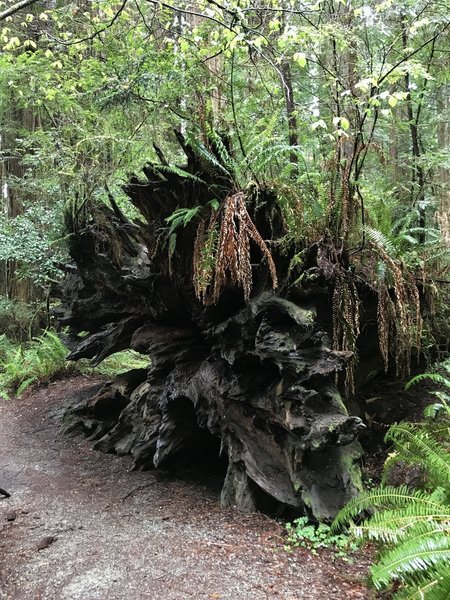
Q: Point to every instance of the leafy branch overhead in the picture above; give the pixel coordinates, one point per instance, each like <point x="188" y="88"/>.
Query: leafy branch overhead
<point x="15" y="8"/>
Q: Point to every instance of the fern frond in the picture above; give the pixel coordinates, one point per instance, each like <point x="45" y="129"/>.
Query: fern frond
<point x="51" y="345"/>
<point x="438" y="408"/>
<point x="384" y="497"/>
<point x="390" y="526"/>
<point x="276" y="151"/>
<point x="208" y="157"/>
<point x="412" y="526"/>
<point x="416" y="445"/>
<point x="181" y="217"/>
<point x="441" y="590"/>
<point x="410" y="557"/>
<point x="25" y="385"/>
<point x="179" y="171"/>
<point x="436" y="377"/>
<point x="433" y="584"/>
<point x="380" y="239"/>
<point x="216" y="149"/>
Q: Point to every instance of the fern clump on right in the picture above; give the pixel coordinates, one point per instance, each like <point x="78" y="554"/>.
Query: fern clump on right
<point x="412" y="526"/>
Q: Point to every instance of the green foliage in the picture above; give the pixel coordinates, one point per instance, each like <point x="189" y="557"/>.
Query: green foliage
<point x="302" y="533"/>
<point x="181" y="217"/>
<point x="19" y="320"/>
<point x="44" y="359"/>
<point x="118" y="363"/>
<point x="442" y="407"/>
<point x="29" y="240"/>
<point x="39" y="361"/>
<point x="413" y="526"/>
<point x="421" y="445"/>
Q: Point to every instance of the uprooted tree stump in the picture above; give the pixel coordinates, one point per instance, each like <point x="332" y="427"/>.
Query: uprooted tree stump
<point x="242" y="364"/>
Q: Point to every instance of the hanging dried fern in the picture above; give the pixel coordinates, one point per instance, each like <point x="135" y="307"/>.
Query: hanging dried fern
<point x="233" y="254"/>
<point x="345" y="307"/>
<point x="399" y="318"/>
<point x="385" y="317"/>
<point x="225" y="256"/>
<point x="346" y="322"/>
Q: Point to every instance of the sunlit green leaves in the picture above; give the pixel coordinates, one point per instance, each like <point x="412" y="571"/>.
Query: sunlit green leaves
<point x="300" y="58"/>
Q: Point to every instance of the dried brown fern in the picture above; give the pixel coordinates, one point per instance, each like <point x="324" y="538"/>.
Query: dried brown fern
<point x="346" y="322"/>
<point x="399" y="318"/>
<point x="345" y="307"/>
<point x="229" y="258"/>
<point x="341" y="201"/>
<point x="385" y="315"/>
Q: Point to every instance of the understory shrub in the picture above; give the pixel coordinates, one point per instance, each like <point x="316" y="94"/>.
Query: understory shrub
<point x="20" y="321"/>
<point x="44" y="358"/>
<point x="37" y="362"/>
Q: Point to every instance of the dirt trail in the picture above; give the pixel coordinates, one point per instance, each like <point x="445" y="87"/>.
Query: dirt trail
<point x="121" y="534"/>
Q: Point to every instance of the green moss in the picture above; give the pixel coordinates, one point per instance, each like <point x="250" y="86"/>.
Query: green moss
<point x="350" y="456"/>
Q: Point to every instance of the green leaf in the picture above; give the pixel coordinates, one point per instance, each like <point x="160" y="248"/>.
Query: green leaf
<point x="321" y="123"/>
<point x="392" y="101"/>
<point x="300" y="58"/>
<point x="215" y="204"/>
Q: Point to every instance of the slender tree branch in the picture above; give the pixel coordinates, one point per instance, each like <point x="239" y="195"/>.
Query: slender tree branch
<point x="96" y="33"/>
<point x="425" y="83"/>
<point x="191" y="12"/>
<point x="147" y="25"/>
<point x="15" y="8"/>
<point x="413" y="53"/>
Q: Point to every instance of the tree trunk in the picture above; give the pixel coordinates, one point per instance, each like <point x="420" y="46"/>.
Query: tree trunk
<point x="443" y="141"/>
<point x="247" y="382"/>
<point x="418" y="177"/>
<point x="291" y="115"/>
<point x="11" y="175"/>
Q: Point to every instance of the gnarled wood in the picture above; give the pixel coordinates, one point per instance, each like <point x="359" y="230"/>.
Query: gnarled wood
<point x="251" y="381"/>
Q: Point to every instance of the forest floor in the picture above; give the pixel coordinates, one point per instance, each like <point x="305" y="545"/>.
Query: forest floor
<point x="80" y="525"/>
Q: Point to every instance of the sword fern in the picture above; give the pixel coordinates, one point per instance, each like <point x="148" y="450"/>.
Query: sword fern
<point x="411" y="526"/>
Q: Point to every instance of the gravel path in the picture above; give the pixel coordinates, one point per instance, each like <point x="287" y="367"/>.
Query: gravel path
<point x="81" y="525"/>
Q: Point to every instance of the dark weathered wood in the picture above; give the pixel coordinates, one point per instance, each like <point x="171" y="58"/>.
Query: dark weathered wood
<point x="4" y="493"/>
<point x="252" y="382"/>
